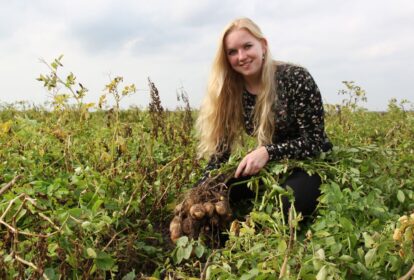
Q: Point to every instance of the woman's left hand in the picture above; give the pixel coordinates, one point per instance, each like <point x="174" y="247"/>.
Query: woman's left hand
<point x="252" y="162"/>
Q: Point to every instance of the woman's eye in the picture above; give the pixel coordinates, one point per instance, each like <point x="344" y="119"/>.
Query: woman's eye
<point x="247" y="46"/>
<point x="231" y="52"/>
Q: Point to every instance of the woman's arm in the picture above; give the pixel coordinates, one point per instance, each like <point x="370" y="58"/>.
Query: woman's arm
<point x="309" y="117"/>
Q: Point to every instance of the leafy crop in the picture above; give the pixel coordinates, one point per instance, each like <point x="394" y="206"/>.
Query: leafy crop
<point x="88" y="190"/>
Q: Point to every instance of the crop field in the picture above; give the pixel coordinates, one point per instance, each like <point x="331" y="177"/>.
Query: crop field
<point x="87" y="191"/>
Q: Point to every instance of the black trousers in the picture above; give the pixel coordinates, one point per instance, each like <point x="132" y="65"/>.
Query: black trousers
<point x="306" y="190"/>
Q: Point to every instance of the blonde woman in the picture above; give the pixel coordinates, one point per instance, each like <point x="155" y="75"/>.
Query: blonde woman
<point x="278" y="103"/>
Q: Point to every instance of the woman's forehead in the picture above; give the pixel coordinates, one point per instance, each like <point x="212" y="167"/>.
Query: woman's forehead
<point x="238" y="37"/>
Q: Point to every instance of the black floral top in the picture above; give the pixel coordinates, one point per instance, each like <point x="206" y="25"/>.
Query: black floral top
<point x="299" y="118"/>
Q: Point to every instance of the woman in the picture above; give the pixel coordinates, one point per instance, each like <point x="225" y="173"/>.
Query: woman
<point x="278" y="103"/>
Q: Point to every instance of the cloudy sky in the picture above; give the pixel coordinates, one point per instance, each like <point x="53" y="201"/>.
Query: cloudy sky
<point x="173" y="42"/>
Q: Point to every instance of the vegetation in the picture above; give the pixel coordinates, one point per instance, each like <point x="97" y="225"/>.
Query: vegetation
<point x="88" y="191"/>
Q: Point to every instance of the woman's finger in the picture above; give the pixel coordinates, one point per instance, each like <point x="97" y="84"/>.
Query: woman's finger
<point x="246" y="170"/>
<point x="240" y="168"/>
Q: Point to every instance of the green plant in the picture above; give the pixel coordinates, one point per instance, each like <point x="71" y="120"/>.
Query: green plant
<point x="76" y="202"/>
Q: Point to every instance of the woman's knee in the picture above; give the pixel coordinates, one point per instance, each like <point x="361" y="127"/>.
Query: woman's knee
<point x="306" y="190"/>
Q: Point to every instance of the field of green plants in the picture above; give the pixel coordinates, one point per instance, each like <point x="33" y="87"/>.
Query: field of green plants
<point x="87" y="191"/>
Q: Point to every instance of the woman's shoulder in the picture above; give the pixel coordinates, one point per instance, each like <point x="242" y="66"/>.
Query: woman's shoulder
<point x="286" y="70"/>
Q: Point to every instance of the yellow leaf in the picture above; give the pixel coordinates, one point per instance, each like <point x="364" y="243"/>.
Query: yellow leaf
<point x="6" y="127"/>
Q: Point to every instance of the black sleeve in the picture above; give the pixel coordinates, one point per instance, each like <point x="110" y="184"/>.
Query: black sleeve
<point x="309" y="117"/>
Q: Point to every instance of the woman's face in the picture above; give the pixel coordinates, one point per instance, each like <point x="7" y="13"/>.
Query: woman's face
<point x="245" y="52"/>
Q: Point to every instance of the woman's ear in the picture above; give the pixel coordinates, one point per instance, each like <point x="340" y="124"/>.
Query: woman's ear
<point x="263" y="42"/>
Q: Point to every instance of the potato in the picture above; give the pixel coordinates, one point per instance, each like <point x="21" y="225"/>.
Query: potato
<point x="222" y="208"/>
<point x="186" y="225"/>
<point x="197" y="211"/>
<point x="178" y="208"/>
<point x="188" y="202"/>
<point x="175" y="228"/>
<point x="209" y="208"/>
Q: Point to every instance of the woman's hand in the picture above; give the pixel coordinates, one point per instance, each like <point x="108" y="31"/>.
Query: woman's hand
<point x="252" y="162"/>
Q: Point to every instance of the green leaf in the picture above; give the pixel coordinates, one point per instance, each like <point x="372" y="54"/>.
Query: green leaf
<point x="199" y="251"/>
<point x="250" y="275"/>
<point x="369" y="241"/>
<point x="51" y="248"/>
<point x="21" y="214"/>
<point x="322" y="274"/>
<point x="329" y="241"/>
<point x="352" y="150"/>
<point x="182" y="241"/>
<point x="336" y="248"/>
<point x="281" y="246"/>
<point x="104" y="261"/>
<point x="75" y="212"/>
<point x="346" y="224"/>
<point x="8" y="258"/>
<point x="130" y="276"/>
<point x="256" y="248"/>
<point x="91" y="253"/>
<point x="240" y="263"/>
<point x="320" y="254"/>
<point x="369" y="256"/>
<point x="96" y="205"/>
<point x="86" y="224"/>
<point x="51" y="274"/>
<point x="401" y="196"/>
<point x="187" y="251"/>
<point x="151" y="250"/>
<point x="346" y="258"/>
<point x="179" y="255"/>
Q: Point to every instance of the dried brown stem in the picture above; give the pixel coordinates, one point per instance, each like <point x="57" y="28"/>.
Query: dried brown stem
<point x="290" y="245"/>
<point x="20" y="209"/>
<point x="133" y="196"/>
<point x="50" y="221"/>
<point x="168" y="164"/>
<point x="10" y="204"/>
<point x="203" y="273"/>
<point x="32" y="265"/>
<point x="113" y="238"/>
<point x="13" y="229"/>
<point x="408" y="274"/>
<point x="10" y="184"/>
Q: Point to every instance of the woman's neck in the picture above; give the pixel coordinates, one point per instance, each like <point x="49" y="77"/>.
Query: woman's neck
<point x="252" y="83"/>
<point x="252" y="86"/>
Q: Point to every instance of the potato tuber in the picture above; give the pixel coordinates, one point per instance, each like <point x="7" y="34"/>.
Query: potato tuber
<point x="175" y="229"/>
<point x="222" y="208"/>
<point x="197" y="211"/>
<point x="186" y="225"/>
<point x="178" y="208"/>
<point x="209" y="208"/>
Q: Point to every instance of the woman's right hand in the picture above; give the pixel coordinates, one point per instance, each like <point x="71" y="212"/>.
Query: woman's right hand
<point x="252" y="163"/>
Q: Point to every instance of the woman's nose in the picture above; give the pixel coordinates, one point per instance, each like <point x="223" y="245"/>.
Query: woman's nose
<point x="242" y="54"/>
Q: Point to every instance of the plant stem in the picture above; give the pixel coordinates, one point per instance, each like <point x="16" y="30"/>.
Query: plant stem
<point x="290" y="245"/>
<point x="408" y="274"/>
<point x="10" y="184"/>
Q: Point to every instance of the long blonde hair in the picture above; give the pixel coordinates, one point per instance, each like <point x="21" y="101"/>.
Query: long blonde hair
<point x="220" y="120"/>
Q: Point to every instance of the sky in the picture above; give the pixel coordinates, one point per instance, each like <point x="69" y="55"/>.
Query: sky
<point x="370" y="42"/>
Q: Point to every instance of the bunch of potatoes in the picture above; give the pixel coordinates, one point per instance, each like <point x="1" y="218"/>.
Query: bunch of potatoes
<point x="205" y="210"/>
